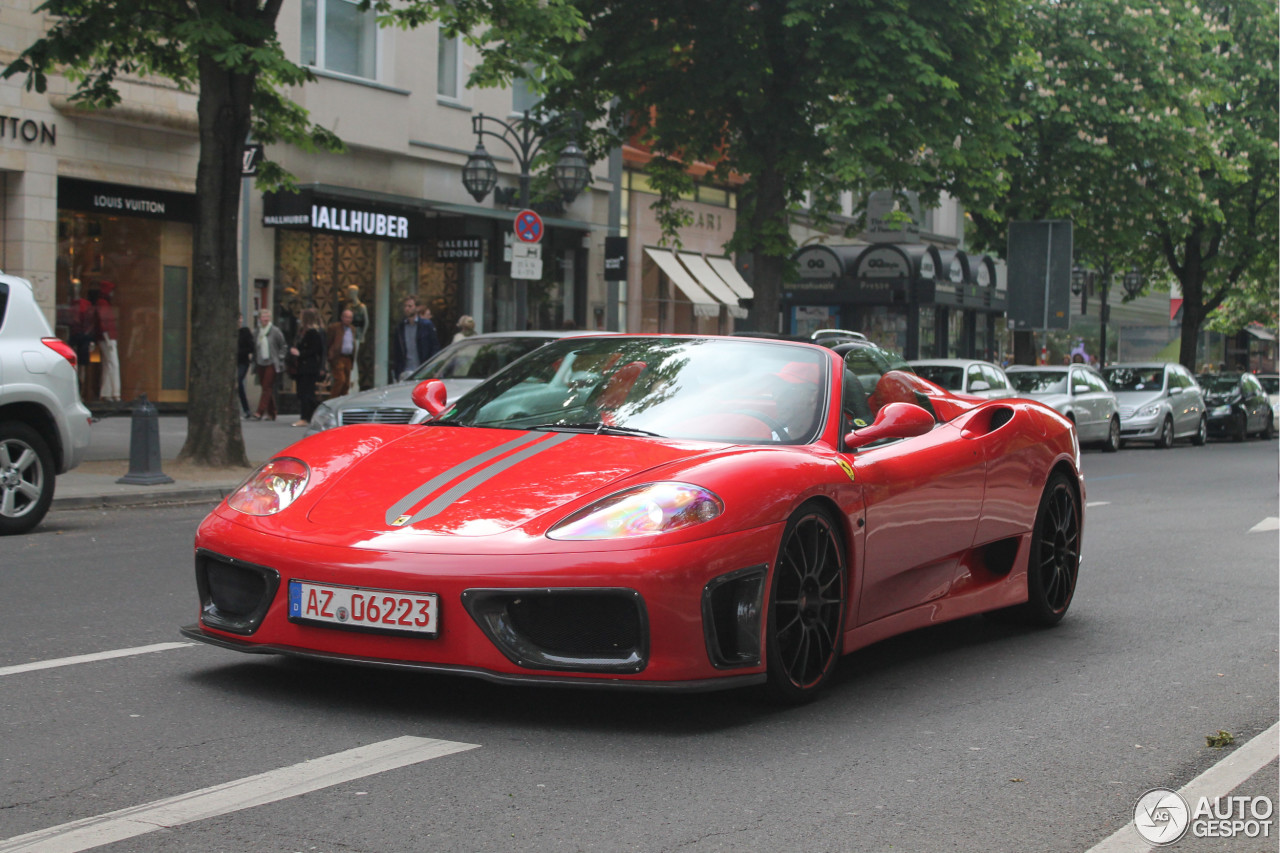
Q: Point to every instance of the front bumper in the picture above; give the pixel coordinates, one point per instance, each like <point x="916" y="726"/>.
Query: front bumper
<point x="1141" y="429"/>
<point x="671" y="585"/>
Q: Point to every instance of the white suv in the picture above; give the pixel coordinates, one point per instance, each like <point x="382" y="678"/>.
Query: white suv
<point x="44" y="428"/>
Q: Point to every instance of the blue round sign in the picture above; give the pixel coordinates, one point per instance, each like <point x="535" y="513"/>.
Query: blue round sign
<point x="528" y="226"/>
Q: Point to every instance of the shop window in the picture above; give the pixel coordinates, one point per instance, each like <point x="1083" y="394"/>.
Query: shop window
<point x="449" y="67"/>
<point x="338" y="36"/>
<point x="122" y="302"/>
<point x="524" y="97"/>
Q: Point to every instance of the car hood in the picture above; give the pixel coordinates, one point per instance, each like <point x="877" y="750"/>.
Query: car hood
<point x="478" y="482"/>
<point x="1053" y="401"/>
<point x="1137" y="399"/>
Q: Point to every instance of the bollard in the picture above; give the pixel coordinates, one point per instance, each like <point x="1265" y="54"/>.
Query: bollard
<point x="144" y="447"/>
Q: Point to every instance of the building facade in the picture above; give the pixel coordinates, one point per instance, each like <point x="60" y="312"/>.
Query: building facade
<point x="97" y="208"/>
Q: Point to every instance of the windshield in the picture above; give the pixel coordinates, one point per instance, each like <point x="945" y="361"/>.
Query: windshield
<point x="1219" y="383"/>
<point x="476" y="358"/>
<point x="1135" y="378"/>
<point x="718" y="390"/>
<point x="943" y="375"/>
<point x="1039" y="381"/>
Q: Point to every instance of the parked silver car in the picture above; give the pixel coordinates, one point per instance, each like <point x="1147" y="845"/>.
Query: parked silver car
<point x="462" y="366"/>
<point x="44" y="428"/>
<point x="965" y="376"/>
<point x="1159" y="402"/>
<point x="1079" y="393"/>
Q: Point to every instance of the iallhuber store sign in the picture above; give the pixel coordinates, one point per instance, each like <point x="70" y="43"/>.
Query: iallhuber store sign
<point x="311" y="211"/>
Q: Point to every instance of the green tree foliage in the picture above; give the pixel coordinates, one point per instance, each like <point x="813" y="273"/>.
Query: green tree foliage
<point x="227" y="50"/>
<point x="802" y="98"/>
<point x="1151" y="124"/>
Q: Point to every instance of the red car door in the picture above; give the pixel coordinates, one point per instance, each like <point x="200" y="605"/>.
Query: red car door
<point x="923" y="499"/>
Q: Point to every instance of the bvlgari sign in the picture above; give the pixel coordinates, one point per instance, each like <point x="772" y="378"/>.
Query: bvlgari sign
<point x="307" y="209"/>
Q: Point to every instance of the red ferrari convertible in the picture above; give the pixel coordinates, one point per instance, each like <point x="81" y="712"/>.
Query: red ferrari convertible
<point x="650" y="511"/>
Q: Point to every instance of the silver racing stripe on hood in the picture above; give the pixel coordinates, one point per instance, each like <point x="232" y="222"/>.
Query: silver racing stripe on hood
<point x="400" y="507"/>
<point x="479" y="477"/>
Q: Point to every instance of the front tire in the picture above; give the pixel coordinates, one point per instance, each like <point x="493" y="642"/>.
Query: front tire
<point x="806" y="606"/>
<point x="1241" y="431"/>
<point x="1165" y="441"/>
<point x="1054" y="562"/>
<point x="26" y="478"/>
<point x="1113" y="437"/>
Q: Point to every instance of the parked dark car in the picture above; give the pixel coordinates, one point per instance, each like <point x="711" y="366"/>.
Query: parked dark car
<point x="1238" y="406"/>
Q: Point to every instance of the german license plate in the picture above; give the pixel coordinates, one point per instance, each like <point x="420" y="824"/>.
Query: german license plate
<point x="381" y="610"/>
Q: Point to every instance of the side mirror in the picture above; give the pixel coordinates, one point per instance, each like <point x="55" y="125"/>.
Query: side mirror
<point x="430" y="395"/>
<point x="895" y="420"/>
<point x="1080" y="389"/>
<point x="980" y="385"/>
<point x="1175" y="390"/>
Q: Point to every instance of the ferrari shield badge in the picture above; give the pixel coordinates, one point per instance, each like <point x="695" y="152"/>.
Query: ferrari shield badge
<point x="399" y="522"/>
<point x="846" y="467"/>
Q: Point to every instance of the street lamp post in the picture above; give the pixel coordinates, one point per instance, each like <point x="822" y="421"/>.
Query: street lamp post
<point x="524" y="136"/>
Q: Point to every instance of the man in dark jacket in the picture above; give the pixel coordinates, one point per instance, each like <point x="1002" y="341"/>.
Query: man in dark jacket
<point x="413" y="341"/>
<point x="244" y="359"/>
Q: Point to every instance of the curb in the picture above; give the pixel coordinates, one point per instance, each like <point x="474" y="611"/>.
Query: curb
<point x="172" y="497"/>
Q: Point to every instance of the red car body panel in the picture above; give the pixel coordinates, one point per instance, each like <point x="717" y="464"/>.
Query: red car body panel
<point x="440" y="509"/>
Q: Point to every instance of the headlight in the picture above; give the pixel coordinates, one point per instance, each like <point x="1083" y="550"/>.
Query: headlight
<point x="641" y="511"/>
<point x="323" y="418"/>
<point x="272" y="487"/>
<point x="1149" y="411"/>
<point x="1220" y="411"/>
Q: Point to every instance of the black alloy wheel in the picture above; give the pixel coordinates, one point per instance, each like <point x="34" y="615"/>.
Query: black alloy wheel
<point x="1113" y="437"/>
<point x="806" y="606"/>
<point x="1269" y="432"/>
<point x="1054" y="562"/>
<point x="1165" y="441"/>
<point x="1241" y="430"/>
<point x="1202" y="433"/>
<point x="26" y="477"/>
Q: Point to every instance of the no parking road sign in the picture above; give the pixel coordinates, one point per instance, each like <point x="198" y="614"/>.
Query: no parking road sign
<point x="528" y="226"/>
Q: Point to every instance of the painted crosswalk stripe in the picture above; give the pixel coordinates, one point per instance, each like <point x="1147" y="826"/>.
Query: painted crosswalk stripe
<point x="1265" y="525"/>
<point x="234" y="796"/>
<point x="116" y="653"/>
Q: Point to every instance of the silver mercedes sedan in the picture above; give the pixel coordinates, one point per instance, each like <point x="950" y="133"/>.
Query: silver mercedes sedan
<point x="462" y="366"/>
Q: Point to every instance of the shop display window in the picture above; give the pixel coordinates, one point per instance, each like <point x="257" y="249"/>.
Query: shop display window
<point x="123" y="291"/>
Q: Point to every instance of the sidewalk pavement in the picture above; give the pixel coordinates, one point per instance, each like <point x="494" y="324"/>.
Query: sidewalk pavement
<point x="93" y="482"/>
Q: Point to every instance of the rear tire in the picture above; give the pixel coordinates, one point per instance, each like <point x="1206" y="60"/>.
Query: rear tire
<point x="1270" y="432"/>
<point x="26" y="478"/>
<point x="806" y="607"/>
<point x="1053" y="565"/>
<point x="1202" y="433"/>
<point x="1113" y="437"/>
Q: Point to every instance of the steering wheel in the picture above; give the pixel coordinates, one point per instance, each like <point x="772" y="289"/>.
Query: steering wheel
<point x="778" y="429"/>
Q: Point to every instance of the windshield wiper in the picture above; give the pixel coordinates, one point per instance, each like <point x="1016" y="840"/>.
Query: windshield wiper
<point x="597" y="427"/>
<point x="447" y="422"/>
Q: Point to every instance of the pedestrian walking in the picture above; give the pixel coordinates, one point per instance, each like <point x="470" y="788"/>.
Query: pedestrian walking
<point x="343" y="345"/>
<point x="466" y="327"/>
<point x="268" y="359"/>
<point x="309" y="350"/>
<point x="244" y="360"/>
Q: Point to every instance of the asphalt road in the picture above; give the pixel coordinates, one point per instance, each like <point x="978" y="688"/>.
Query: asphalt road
<point x="970" y="736"/>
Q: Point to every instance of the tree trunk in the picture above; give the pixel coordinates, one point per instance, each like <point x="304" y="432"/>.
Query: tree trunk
<point x="768" y="215"/>
<point x="214" y="437"/>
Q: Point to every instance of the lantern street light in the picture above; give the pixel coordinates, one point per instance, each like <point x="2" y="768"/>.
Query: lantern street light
<point x="1133" y="283"/>
<point x="524" y="136"/>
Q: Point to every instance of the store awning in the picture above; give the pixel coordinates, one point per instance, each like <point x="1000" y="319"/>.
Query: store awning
<point x="725" y="269"/>
<point x="712" y="283"/>
<point x="1260" y="333"/>
<point x="704" y="305"/>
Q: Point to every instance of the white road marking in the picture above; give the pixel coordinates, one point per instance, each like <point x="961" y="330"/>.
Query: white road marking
<point x="1265" y="525"/>
<point x="118" y="653"/>
<point x="1218" y="781"/>
<point x="1097" y="503"/>
<point x="233" y="796"/>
